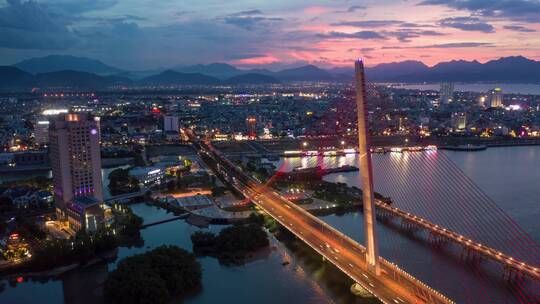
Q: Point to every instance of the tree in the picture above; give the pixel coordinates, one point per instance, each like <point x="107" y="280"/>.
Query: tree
<point x="154" y="277"/>
<point x="203" y="239"/>
<point x="256" y="218"/>
<point x="6" y="205"/>
<point x="131" y="285"/>
<point x="121" y="182"/>
<point x="3" y="226"/>
<point x="233" y="244"/>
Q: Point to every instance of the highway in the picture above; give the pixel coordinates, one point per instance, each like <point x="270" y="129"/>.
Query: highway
<point x="393" y="285"/>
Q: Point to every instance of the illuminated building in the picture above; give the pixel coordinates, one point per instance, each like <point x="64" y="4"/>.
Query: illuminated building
<point x="85" y="212"/>
<point x="482" y="101"/>
<point x="75" y="161"/>
<point x="446" y="93"/>
<point x="171" y="127"/>
<point x="170" y="124"/>
<point x="251" y="127"/>
<point x="148" y="176"/>
<point x="459" y="121"/>
<point x="41" y="132"/>
<point x="495" y="98"/>
<point x="51" y="112"/>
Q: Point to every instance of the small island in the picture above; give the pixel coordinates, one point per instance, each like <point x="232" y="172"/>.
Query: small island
<point x="156" y="276"/>
<point x="234" y="244"/>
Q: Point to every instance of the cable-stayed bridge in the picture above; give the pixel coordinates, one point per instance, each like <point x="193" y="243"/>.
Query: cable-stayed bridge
<point x="475" y="224"/>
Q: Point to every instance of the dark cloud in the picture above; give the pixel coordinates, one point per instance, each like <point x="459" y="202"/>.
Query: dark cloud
<point x="402" y="34"/>
<point x="29" y="25"/>
<point x="361" y="50"/>
<point x="356" y="35"/>
<point x="243" y="56"/>
<point x="116" y="19"/>
<point x="302" y="48"/>
<point x="392" y="47"/>
<point x="415" y="25"/>
<point x="519" y="28"/>
<point x="405" y="35"/>
<point x="368" y="23"/>
<point x="352" y="9"/>
<point x="31" y="16"/>
<point x="467" y="24"/>
<point x="252" y="12"/>
<point x="78" y="6"/>
<point x="453" y="45"/>
<point x="249" y="20"/>
<point x="521" y="10"/>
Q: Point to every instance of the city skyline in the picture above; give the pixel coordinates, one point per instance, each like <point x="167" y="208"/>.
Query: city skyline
<point x="330" y="151"/>
<point x="326" y="33"/>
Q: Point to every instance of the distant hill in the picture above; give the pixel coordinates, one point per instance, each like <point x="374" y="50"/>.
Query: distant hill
<point x="506" y="69"/>
<point x="53" y="71"/>
<point x="15" y="78"/>
<point x="54" y="63"/>
<point x="305" y="73"/>
<point x="395" y="69"/>
<point x="12" y="77"/>
<point x="252" y="78"/>
<point x="71" y="79"/>
<point x="171" y="77"/>
<point x="218" y="70"/>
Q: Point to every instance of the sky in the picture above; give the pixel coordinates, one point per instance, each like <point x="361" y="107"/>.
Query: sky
<point x="146" y="34"/>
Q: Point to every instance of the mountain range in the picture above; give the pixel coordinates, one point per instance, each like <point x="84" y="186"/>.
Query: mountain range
<point x="79" y="72"/>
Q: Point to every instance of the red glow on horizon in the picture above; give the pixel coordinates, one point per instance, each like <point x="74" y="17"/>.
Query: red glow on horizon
<point x="267" y="59"/>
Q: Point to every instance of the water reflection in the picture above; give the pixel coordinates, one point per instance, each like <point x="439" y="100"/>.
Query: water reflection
<point x="262" y="281"/>
<point x="421" y="183"/>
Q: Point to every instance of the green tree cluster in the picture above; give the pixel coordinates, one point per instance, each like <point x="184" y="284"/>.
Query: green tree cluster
<point x="79" y="249"/>
<point x="233" y="244"/>
<point x="154" y="277"/>
<point x="120" y="182"/>
<point x="128" y="224"/>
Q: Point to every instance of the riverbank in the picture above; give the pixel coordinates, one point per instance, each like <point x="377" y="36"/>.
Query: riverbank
<point x="271" y="149"/>
<point x="22" y="271"/>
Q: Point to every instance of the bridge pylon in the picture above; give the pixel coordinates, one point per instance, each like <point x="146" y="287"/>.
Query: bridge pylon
<point x="366" y="171"/>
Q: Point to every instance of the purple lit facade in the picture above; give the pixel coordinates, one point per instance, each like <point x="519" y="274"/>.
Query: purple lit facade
<point x="75" y="159"/>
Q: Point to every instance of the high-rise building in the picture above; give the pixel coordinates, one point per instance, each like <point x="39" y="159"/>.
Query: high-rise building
<point x="495" y="98"/>
<point x="251" y="123"/>
<point x="76" y="165"/>
<point x="97" y="119"/>
<point x="459" y="121"/>
<point x="446" y="94"/>
<point x="482" y="101"/>
<point x="170" y="123"/>
<point x="41" y="132"/>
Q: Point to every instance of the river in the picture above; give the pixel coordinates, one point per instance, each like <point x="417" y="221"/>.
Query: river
<point x="509" y="175"/>
<point x="512" y="88"/>
<point x="414" y="181"/>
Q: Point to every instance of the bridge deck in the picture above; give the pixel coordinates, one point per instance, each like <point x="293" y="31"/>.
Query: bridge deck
<point x="392" y="286"/>
<point x="468" y="244"/>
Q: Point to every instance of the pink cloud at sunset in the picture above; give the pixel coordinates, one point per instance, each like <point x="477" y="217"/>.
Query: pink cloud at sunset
<point x="258" y="34"/>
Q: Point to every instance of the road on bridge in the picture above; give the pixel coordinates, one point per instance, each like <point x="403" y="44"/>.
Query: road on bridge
<point x="393" y="285"/>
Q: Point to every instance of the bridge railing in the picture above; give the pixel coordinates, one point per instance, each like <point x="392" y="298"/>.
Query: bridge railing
<point x="465" y="242"/>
